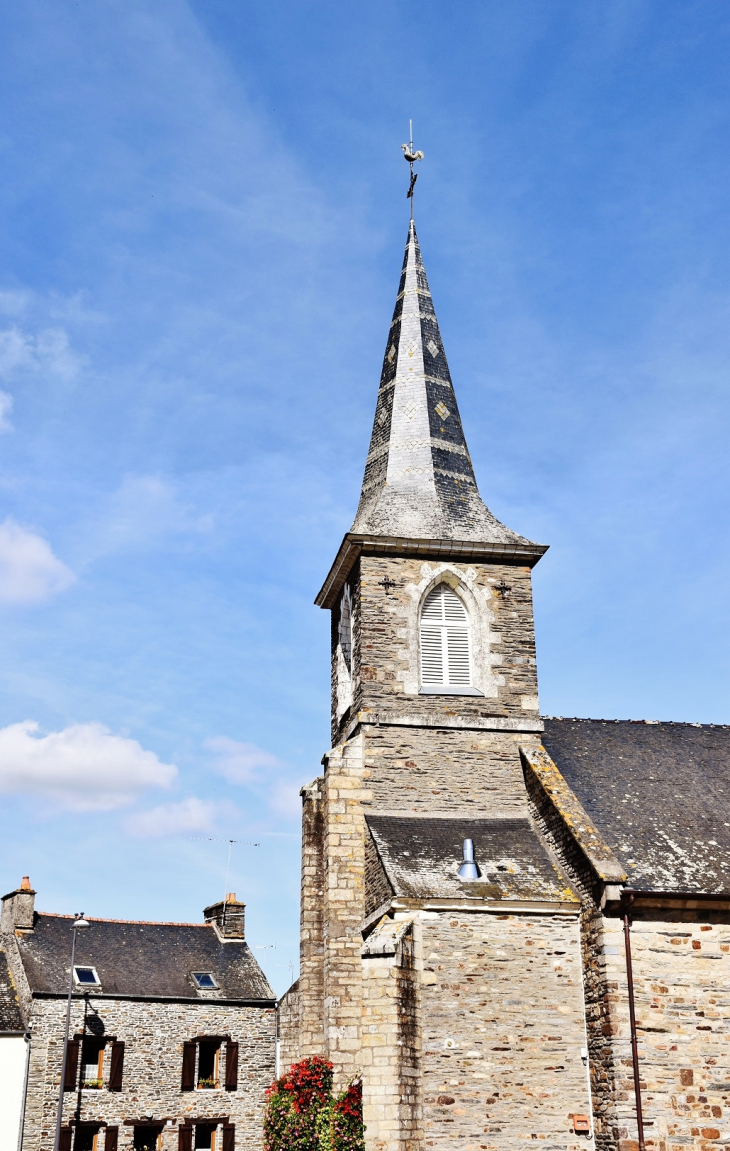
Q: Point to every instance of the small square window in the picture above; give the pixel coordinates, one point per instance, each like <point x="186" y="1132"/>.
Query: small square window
<point x="205" y="980"/>
<point x="86" y="976"/>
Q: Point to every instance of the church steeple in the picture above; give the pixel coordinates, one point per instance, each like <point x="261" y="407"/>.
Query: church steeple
<point x="419" y="480"/>
<point x="419" y="494"/>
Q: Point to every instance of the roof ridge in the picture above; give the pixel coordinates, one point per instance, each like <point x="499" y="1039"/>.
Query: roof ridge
<point x="104" y="919"/>
<point x="647" y="722"/>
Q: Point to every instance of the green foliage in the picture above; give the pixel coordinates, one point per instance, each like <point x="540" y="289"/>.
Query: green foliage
<point x="302" y="1114"/>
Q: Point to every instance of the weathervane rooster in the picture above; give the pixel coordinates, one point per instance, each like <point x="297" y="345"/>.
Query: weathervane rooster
<point x="411" y="156"/>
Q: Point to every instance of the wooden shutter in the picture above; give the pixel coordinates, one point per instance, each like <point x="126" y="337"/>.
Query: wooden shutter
<point x="445" y="654"/>
<point x="64" y="1143"/>
<point x="117" y="1067"/>
<point x="111" y="1139"/>
<point x="185" y="1137"/>
<point x="231" y="1066"/>
<point x="188" y="1067"/>
<point x="229" y="1137"/>
<point x="72" y="1065"/>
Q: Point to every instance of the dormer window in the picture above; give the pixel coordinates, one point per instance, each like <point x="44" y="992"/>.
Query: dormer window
<point x="205" y="981"/>
<point x="86" y="977"/>
<point x="445" y="637"/>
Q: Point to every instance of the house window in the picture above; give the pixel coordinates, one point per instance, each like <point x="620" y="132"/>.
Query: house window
<point x="205" y="980"/>
<point x="147" y="1138"/>
<point x="87" y="1138"/>
<point x="209" y="1051"/>
<point x="205" y="1137"/>
<point x="86" y="976"/>
<point x="92" y="1063"/>
<point x="445" y="642"/>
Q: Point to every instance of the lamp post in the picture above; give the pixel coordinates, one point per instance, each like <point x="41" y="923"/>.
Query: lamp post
<point x="80" y="924"/>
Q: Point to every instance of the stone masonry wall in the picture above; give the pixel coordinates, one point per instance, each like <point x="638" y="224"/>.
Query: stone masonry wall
<point x="391" y="1043"/>
<point x="344" y="907"/>
<point x="153" y="1033"/>
<point x="432" y="770"/>
<point x="503" y="1028"/>
<point x="681" y="968"/>
<point x="310" y="1040"/>
<point x="386" y="672"/>
<point x="289" y="1010"/>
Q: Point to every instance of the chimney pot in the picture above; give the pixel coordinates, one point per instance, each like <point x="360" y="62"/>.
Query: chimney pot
<point x="25" y="883"/>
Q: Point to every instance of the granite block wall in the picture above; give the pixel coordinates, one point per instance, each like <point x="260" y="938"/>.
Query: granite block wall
<point x="681" y="968"/>
<point x="503" y="1031"/>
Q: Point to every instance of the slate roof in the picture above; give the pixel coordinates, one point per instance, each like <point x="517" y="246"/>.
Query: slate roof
<point x="10" y="1017"/>
<point x="142" y="960"/>
<point x="659" y="793"/>
<point x="421" y="858"/>
<point x="419" y="481"/>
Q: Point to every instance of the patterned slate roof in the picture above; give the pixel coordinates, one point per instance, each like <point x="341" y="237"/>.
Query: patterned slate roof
<point x="142" y="960"/>
<point x="419" y="481"/>
<point x="421" y="859"/>
<point x="659" y="793"/>
<point x="10" y="1017"/>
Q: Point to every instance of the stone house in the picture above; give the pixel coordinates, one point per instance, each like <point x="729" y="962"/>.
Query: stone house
<point x="490" y="897"/>
<point x="172" y="1036"/>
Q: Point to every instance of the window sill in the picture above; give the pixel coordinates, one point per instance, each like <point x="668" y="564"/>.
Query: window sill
<point x="441" y="689"/>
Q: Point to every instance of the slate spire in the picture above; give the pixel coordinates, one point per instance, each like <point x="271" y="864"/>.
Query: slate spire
<point x="419" y="480"/>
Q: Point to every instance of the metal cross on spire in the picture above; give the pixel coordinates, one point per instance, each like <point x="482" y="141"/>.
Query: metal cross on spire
<point x="411" y="157"/>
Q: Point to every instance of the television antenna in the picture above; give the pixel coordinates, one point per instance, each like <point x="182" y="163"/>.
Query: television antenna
<point x="230" y="842"/>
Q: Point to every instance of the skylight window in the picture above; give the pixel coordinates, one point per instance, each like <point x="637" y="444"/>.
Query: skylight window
<point x="86" y="976"/>
<point x="205" y="980"/>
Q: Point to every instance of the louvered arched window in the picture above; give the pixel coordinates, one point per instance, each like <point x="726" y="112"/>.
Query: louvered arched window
<point x="445" y="641"/>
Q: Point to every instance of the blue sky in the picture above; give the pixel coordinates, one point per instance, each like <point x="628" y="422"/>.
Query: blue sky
<point x="202" y="219"/>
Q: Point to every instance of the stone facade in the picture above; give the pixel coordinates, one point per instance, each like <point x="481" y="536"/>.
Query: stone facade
<point x="153" y="1035"/>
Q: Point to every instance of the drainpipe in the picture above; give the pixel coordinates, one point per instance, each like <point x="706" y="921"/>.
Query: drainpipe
<point x="632" y="1017"/>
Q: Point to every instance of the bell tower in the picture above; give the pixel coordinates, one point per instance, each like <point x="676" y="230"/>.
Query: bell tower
<point x="434" y="695"/>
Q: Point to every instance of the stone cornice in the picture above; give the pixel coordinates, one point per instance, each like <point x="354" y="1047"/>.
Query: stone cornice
<point x="353" y="545"/>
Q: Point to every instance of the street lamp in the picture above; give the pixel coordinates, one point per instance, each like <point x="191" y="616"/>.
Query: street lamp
<point x="80" y="924"/>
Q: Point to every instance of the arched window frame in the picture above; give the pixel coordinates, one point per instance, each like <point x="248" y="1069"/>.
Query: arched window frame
<point x="447" y="652"/>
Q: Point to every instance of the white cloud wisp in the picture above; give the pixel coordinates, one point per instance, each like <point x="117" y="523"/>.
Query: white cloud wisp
<point x="84" y="767"/>
<point x="29" y="571"/>
<point x="240" y="762"/>
<point x="190" y="814"/>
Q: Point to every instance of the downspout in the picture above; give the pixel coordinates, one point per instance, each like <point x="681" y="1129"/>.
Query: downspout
<point x="632" y="1018"/>
<point x="25" y="1090"/>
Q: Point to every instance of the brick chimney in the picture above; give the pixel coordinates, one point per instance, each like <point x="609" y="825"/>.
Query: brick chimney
<point x="227" y="918"/>
<point x="18" y="908"/>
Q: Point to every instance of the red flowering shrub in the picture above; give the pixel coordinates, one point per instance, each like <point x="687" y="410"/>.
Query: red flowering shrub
<point x="302" y="1115"/>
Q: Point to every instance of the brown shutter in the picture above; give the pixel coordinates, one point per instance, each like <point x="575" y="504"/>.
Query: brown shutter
<point x="111" y="1139"/>
<point x="185" y="1138"/>
<point x="229" y="1137"/>
<point x="231" y="1066"/>
<point x="188" y="1067"/>
<point x="117" y="1067"/>
<point x="64" y="1143"/>
<point x="72" y="1065"/>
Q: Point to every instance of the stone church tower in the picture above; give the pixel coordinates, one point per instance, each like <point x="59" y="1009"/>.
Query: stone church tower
<point x="477" y="999"/>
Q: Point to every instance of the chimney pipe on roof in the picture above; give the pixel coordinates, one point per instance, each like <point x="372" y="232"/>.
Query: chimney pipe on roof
<point x="468" y="869"/>
<point x="18" y="909"/>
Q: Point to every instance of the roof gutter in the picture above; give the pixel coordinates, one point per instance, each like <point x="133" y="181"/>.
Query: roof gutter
<point x="159" y="999"/>
<point x="353" y="545"/>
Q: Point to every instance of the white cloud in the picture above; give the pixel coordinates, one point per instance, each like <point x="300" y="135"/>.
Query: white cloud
<point x="85" y="767"/>
<point x="190" y="814"/>
<point x="49" y="351"/>
<point x="29" y="571"/>
<point x="240" y="762"/>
